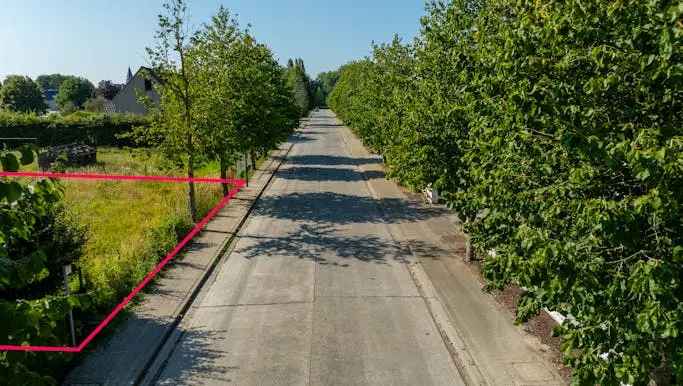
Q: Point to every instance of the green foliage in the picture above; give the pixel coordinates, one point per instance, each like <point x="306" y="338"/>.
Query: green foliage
<point x="300" y="84"/>
<point x="36" y="240"/>
<point x="75" y="91"/>
<point x="52" y="81"/>
<point x="20" y="93"/>
<point x="554" y="129"/>
<point x="224" y="96"/>
<point x="323" y="86"/>
<point x="244" y="104"/>
<point x="94" y="105"/>
<point x="80" y="127"/>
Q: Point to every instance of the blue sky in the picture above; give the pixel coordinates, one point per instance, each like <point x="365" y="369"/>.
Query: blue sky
<point x="99" y="39"/>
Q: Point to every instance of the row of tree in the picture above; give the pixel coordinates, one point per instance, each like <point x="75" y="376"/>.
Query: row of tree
<point x="105" y="89"/>
<point x="555" y="129"/>
<point x="22" y="94"/>
<point x="222" y="94"/>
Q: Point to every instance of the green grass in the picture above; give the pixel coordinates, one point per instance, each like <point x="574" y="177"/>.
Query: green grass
<point x="131" y="225"/>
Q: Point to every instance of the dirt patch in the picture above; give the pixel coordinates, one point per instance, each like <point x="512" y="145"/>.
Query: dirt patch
<point x="541" y="326"/>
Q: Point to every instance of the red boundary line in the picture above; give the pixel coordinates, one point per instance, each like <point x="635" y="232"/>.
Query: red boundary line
<point x="150" y="275"/>
<point x="119" y="177"/>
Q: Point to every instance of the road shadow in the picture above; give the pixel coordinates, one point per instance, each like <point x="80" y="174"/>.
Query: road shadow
<point x="322" y="125"/>
<point x="326" y="174"/>
<point x="195" y="358"/>
<point x="115" y="356"/>
<point x="337" y="208"/>
<point x="300" y="138"/>
<point x="330" y="160"/>
<point x="311" y="242"/>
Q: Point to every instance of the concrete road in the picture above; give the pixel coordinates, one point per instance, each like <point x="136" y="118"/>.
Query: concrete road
<point x="317" y="291"/>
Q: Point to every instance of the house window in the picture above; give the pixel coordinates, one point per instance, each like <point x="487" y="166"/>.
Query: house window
<point x="148" y="85"/>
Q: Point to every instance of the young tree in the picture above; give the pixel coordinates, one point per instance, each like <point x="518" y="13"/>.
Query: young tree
<point x="74" y="90"/>
<point x="215" y="47"/>
<point x="174" y="128"/>
<point x="244" y="106"/>
<point x="20" y="93"/>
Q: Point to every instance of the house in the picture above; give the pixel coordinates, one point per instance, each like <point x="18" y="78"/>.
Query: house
<point x="139" y="85"/>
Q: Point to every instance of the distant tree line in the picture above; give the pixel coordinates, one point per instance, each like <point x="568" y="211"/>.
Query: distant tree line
<point x="322" y="86"/>
<point x="22" y="94"/>
<point x="307" y="92"/>
<point x="555" y="130"/>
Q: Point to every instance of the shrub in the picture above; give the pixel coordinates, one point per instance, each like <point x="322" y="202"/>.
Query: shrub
<point x="36" y="240"/>
<point x="79" y="127"/>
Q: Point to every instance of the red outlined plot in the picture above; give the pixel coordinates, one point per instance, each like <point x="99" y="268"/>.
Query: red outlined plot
<point x="238" y="184"/>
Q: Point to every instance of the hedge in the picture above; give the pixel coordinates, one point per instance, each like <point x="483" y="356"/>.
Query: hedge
<point x="81" y="127"/>
<point x="555" y="130"/>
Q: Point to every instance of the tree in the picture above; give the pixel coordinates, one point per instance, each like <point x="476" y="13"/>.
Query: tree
<point x="299" y="82"/>
<point x="20" y="93"/>
<point x="74" y="90"/>
<point x="323" y="86"/>
<point x="174" y="126"/>
<point x="244" y="106"/>
<point x="107" y="89"/>
<point x="53" y="81"/>
<point x="216" y="47"/>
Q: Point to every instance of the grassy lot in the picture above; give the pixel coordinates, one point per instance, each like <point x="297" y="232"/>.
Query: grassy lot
<point x="130" y="225"/>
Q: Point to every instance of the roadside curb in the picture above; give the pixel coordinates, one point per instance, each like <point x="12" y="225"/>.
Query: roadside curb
<point x="93" y="373"/>
<point x="471" y="323"/>
<point x="154" y="366"/>
<point x="451" y="338"/>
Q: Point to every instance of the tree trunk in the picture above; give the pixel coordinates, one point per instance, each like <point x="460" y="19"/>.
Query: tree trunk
<point x="224" y="174"/>
<point x="191" y="190"/>
<point x="252" y="153"/>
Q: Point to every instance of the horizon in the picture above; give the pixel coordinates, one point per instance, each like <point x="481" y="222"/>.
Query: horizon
<point x="83" y="38"/>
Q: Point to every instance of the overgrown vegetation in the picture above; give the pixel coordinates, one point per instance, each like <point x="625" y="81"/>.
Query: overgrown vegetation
<point x="554" y="129"/>
<point x="36" y="239"/>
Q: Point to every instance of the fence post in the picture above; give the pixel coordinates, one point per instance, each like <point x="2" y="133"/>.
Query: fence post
<point x="67" y="271"/>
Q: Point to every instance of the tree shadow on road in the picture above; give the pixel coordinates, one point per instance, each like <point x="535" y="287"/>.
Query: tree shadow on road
<point x="337" y="208"/>
<point x="312" y="242"/>
<point x="300" y="138"/>
<point x="321" y="125"/>
<point x="196" y="357"/>
<point x="326" y="174"/>
<point x="330" y="160"/>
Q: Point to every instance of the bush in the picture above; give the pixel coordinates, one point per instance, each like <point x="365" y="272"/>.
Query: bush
<point x="555" y="131"/>
<point x="36" y="240"/>
<point x="79" y="127"/>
